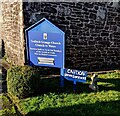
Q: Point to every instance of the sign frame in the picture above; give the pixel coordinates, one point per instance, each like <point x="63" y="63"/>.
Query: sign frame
<point x="62" y="37"/>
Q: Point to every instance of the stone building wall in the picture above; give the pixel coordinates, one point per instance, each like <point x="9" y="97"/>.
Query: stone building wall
<point x="0" y="31"/>
<point x="12" y="31"/>
<point x="92" y="31"/>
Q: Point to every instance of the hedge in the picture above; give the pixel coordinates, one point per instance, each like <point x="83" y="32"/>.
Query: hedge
<point x="22" y="81"/>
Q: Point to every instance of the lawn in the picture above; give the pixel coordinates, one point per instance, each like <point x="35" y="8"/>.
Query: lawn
<point x="8" y="108"/>
<point x="84" y="102"/>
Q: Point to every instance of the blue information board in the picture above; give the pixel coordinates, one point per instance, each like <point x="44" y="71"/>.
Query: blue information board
<point x="75" y="75"/>
<point x="46" y="47"/>
<point x="45" y="44"/>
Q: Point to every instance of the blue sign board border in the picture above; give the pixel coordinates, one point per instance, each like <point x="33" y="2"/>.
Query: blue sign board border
<point x="27" y="41"/>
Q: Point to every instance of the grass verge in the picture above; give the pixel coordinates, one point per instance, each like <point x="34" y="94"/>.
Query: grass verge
<point x="53" y="101"/>
<point x="7" y="107"/>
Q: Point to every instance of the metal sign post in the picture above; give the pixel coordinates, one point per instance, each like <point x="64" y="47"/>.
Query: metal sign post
<point x="74" y="87"/>
<point x="61" y="77"/>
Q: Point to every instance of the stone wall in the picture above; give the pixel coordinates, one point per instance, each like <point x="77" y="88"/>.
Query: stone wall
<point x="0" y="31"/>
<point x="12" y="32"/>
<point x="92" y="31"/>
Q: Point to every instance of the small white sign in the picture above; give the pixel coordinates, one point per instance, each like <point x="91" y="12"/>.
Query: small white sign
<point x="42" y="60"/>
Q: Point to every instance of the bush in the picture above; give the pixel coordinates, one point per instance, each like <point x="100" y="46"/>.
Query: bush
<point x="22" y="81"/>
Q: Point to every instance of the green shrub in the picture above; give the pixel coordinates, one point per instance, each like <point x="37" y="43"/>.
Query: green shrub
<point x="22" y="81"/>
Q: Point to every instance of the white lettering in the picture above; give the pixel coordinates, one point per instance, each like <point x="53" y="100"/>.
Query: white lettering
<point x="75" y="77"/>
<point x="51" y="46"/>
<point x="75" y="72"/>
<point x="57" y="43"/>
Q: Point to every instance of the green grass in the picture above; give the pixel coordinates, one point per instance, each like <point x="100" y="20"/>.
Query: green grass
<point x="84" y="102"/>
<point x="8" y="108"/>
